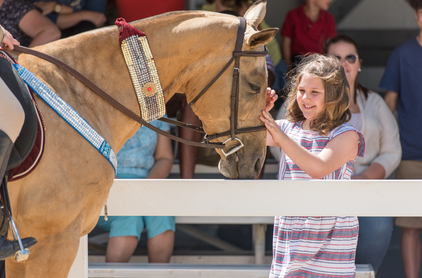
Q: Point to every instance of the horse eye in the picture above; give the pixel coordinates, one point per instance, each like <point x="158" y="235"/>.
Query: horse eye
<point x="254" y="87"/>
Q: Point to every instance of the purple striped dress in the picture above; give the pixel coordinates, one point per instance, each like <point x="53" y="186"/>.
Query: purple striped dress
<point x="314" y="246"/>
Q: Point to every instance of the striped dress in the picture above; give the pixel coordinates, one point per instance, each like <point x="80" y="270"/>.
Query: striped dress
<point x="314" y="246"/>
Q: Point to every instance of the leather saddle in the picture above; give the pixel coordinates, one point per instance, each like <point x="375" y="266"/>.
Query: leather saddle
<point x="26" y="140"/>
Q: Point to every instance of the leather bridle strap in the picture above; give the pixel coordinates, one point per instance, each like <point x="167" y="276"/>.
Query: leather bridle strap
<point x="212" y="82"/>
<point x="234" y="102"/>
<point x="113" y="101"/>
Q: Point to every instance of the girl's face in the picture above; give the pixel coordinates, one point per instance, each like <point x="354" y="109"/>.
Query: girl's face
<point x="310" y="96"/>
<point x="347" y="54"/>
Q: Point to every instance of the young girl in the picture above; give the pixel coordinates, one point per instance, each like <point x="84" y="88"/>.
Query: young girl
<point x="316" y="143"/>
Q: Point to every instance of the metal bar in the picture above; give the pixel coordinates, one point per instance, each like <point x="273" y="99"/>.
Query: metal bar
<point x="216" y="242"/>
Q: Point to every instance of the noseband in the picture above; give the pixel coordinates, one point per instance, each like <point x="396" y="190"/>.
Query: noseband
<point x="234" y="100"/>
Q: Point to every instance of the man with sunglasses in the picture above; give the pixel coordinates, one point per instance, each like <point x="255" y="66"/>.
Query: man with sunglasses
<point x="403" y="83"/>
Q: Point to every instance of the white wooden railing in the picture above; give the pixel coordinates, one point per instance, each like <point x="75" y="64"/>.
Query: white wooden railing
<point x="258" y="198"/>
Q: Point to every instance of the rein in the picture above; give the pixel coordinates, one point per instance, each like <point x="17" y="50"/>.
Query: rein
<point x="234" y="102"/>
<point x="117" y="104"/>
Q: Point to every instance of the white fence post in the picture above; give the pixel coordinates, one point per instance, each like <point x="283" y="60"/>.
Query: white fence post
<point x="80" y="265"/>
<point x="259" y="242"/>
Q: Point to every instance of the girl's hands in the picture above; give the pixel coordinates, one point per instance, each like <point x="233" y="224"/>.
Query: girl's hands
<point x="8" y="41"/>
<point x="273" y="129"/>
<point x="271" y="98"/>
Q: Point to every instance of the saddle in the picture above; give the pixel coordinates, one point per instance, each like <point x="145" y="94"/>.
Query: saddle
<point x="29" y="146"/>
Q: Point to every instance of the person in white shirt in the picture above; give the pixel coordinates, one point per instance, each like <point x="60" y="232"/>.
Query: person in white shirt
<point x="372" y="117"/>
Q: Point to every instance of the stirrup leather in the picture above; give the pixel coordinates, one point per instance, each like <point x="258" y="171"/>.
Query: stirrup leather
<point x="23" y="253"/>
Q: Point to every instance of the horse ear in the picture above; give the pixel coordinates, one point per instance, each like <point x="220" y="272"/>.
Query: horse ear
<point x="256" y="13"/>
<point x="261" y="37"/>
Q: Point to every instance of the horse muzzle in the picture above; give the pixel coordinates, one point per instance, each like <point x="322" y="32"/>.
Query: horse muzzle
<point x="241" y="161"/>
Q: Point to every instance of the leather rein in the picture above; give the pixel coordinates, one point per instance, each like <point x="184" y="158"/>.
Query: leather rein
<point x="234" y="105"/>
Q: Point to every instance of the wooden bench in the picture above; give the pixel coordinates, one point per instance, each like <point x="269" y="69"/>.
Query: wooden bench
<point x="119" y="270"/>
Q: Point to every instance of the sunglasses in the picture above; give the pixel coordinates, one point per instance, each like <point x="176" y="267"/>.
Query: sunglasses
<point x="350" y="59"/>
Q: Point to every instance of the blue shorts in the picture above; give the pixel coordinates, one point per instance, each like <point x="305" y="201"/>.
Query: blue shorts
<point x="133" y="225"/>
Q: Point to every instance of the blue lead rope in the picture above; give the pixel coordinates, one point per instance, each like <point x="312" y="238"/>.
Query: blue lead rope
<point x="68" y="114"/>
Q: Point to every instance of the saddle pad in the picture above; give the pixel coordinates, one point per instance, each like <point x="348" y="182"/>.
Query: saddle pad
<point x="29" y="145"/>
<point x="31" y="161"/>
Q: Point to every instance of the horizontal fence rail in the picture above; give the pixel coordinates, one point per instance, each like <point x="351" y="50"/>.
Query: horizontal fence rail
<point x="266" y="197"/>
<point x="257" y="198"/>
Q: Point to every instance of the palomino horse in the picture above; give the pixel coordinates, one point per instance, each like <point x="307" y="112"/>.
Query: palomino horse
<point x="60" y="201"/>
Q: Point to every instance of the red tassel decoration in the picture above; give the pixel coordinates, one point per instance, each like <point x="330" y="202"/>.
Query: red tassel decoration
<point x="127" y="30"/>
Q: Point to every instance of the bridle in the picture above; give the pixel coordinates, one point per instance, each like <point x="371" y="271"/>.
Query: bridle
<point x="234" y="99"/>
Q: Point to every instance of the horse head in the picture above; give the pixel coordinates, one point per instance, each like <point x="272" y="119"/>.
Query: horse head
<point x="208" y="51"/>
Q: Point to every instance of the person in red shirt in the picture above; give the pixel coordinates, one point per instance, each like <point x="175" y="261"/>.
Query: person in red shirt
<point x="306" y="29"/>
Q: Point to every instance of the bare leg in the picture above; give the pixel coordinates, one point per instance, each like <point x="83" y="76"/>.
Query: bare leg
<point x="41" y="29"/>
<point x="121" y="248"/>
<point x="189" y="153"/>
<point x="411" y="251"/>
<point x="160" y="247"/>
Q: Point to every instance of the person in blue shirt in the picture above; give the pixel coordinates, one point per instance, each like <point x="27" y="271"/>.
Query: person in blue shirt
<point x="74" y="16"/>
<point x="403" y="83"/>
<point x="147" y="155"/>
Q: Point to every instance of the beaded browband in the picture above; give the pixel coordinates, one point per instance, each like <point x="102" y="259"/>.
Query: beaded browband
<point x="143" y="72"/>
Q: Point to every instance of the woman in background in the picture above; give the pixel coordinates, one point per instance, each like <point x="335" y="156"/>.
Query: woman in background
<point x="371" y="116"/>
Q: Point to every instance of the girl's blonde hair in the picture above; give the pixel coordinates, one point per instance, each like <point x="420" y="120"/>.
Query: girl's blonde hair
<point x="336" y="90"/>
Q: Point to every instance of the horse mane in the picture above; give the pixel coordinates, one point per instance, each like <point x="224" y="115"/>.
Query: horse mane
<point x="161" y="19"/>
<point x="183" y="13"/>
